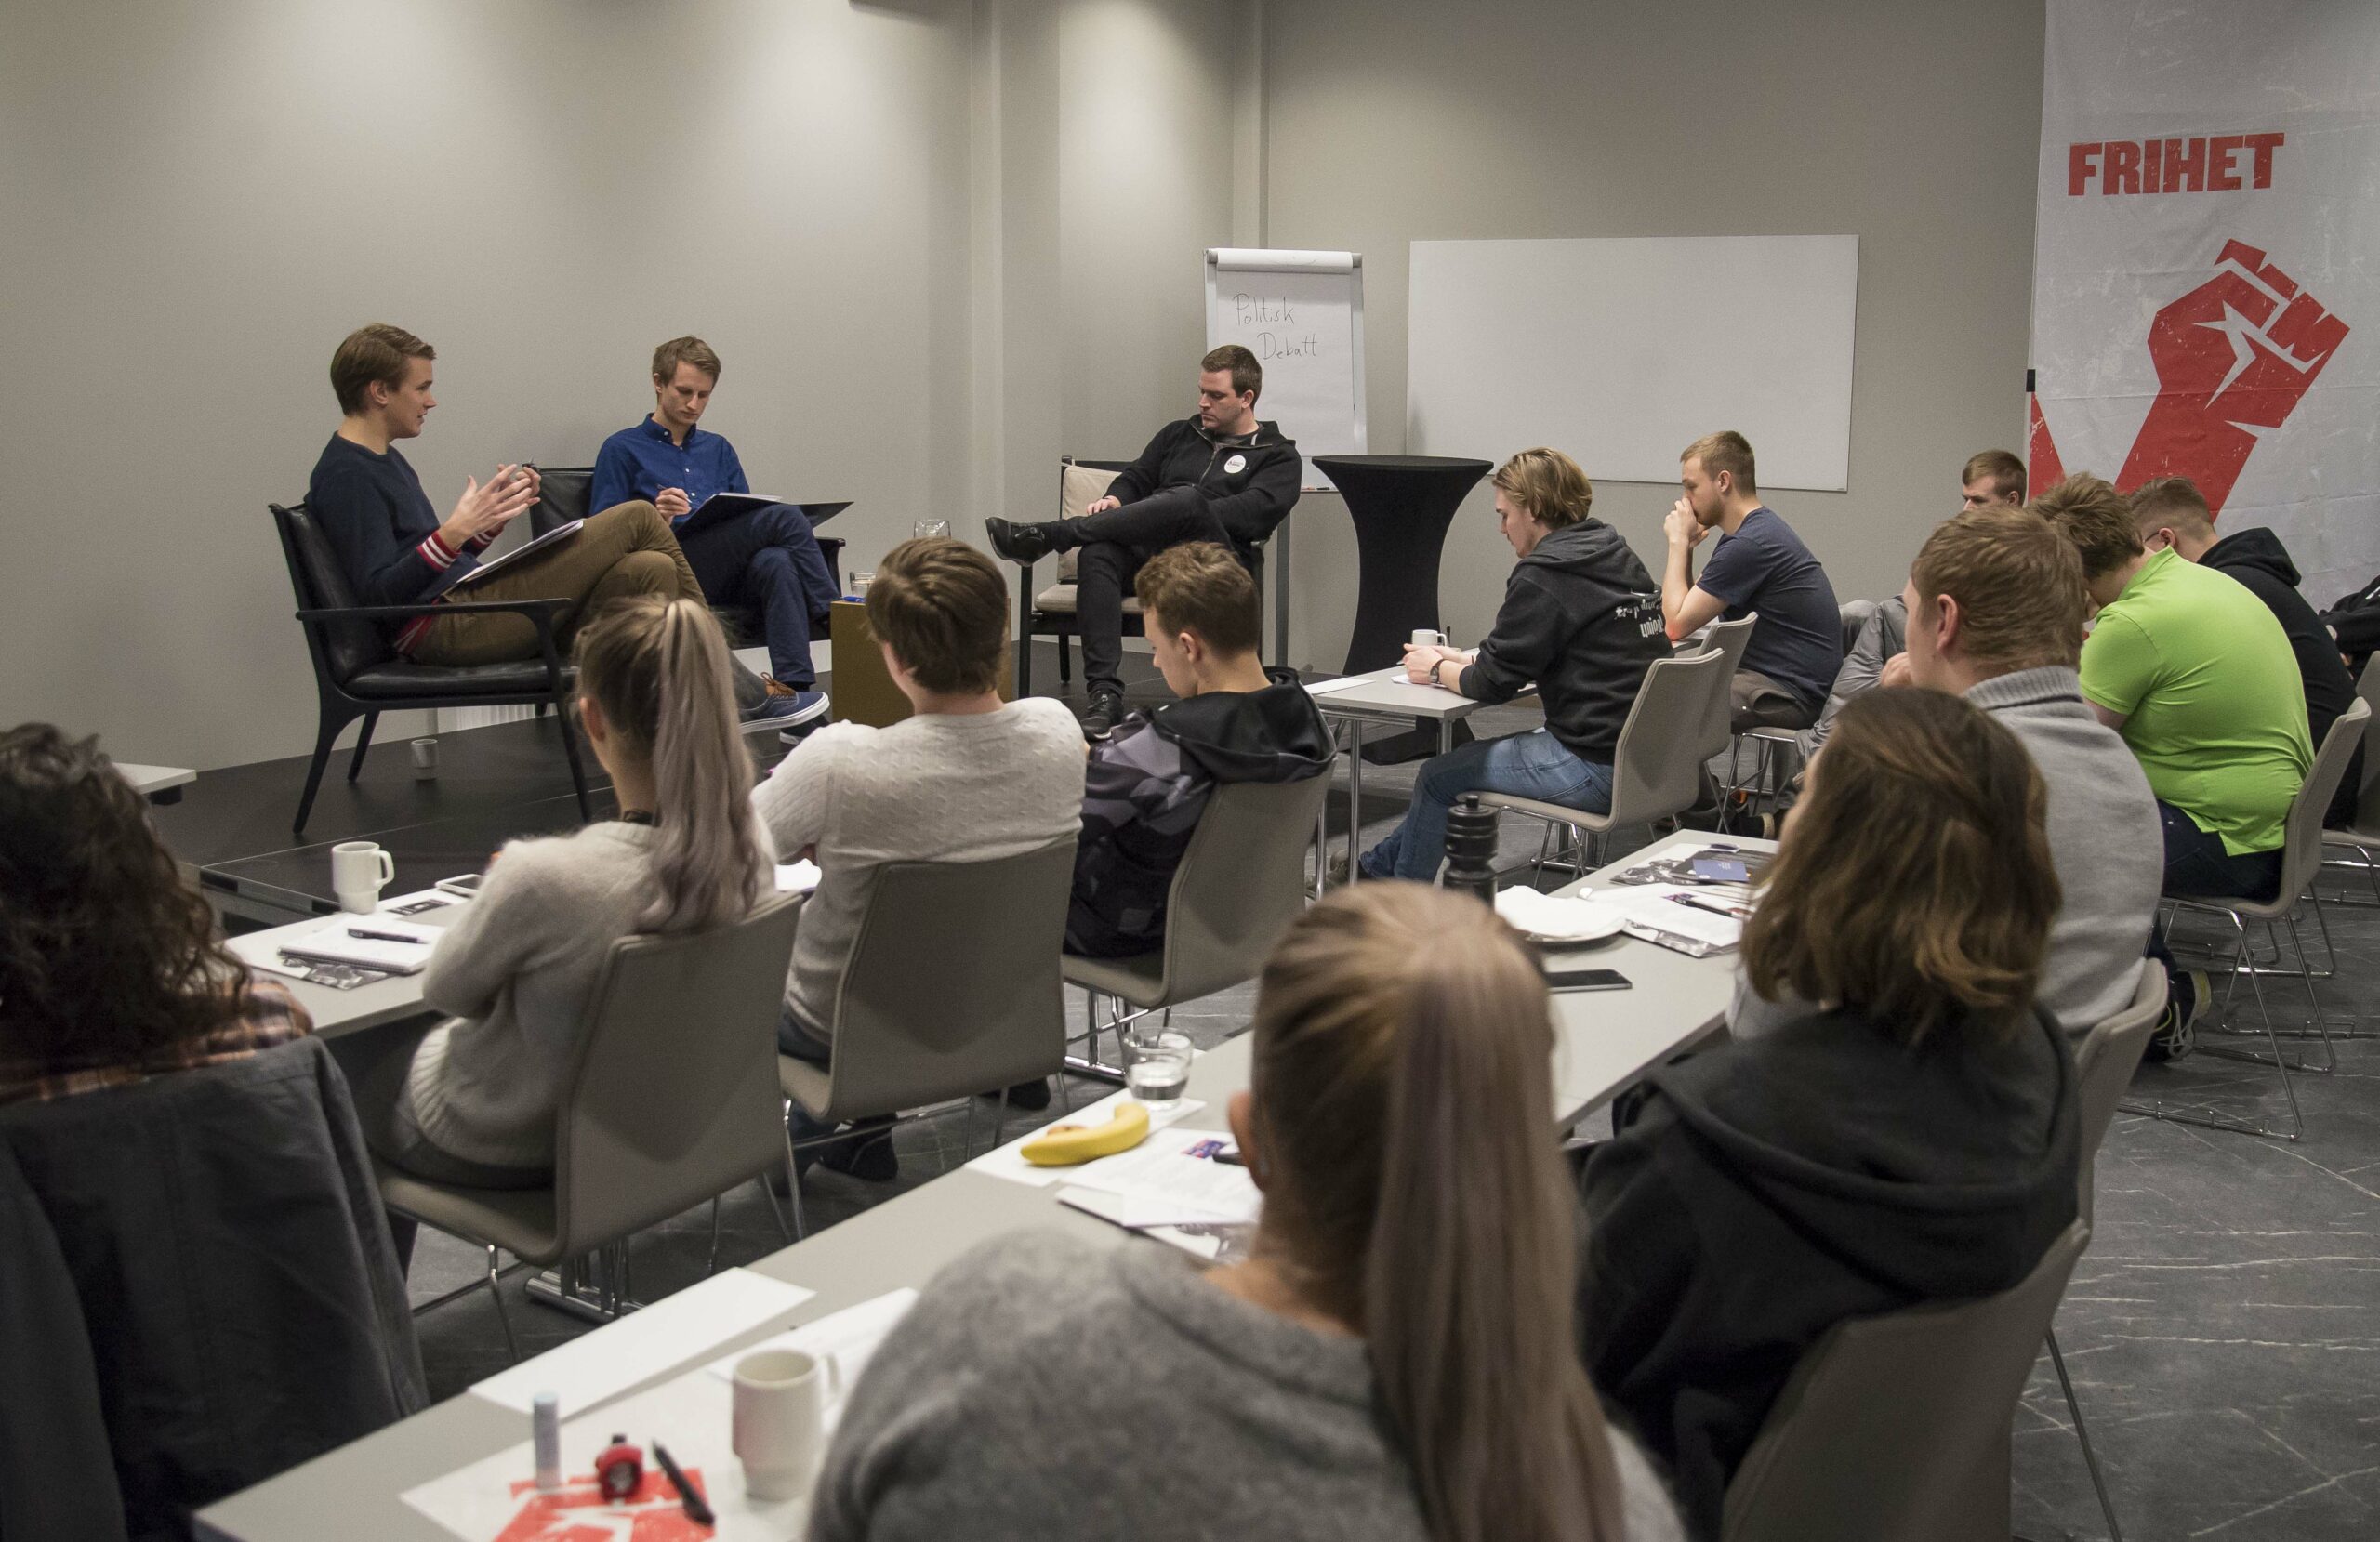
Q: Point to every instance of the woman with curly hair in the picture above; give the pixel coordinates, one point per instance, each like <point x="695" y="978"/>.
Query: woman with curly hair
<point x="111" y="970"/>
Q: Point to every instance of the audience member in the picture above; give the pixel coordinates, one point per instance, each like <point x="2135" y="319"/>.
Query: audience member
<point x="967" y="777"/>
<point x="397" y="551"/>
<point x="2195" y="673"/>
<point x="1388" y="1361"/>
<point x="1758" y="565"/>
<point x="1995" y="606"/>
<point x="1147" y="784"/>
<point x="764" y="557"/>
<point x="196" y="1292"/>
<point x="1913" y="1141"/>
<point x="1993" y="478"/>
<point x="1219" y="474"/>
<point x="2170" y="512"/>
<point x="1581" y="621"/>
<point x="474" y="1102"/>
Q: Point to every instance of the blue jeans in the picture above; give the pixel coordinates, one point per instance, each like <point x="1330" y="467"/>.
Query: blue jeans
<point x="2196" y="864"/>
<point x="769" y="558"/>
<point x="1527" y="764"/>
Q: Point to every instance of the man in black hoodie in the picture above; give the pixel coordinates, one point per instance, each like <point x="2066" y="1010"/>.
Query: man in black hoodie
<point x="2171" y="512"/>
<point x="1146" y="786"/>
<point x="1218" y="475"/>
<point x="1581" y="621"/>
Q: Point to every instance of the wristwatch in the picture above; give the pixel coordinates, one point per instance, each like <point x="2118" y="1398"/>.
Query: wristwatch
<point x="1435" y="679"/>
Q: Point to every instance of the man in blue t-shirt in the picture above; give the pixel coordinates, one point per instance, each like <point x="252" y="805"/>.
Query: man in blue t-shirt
<point x="765" y="557"/>
<point x="1759" y="566"/>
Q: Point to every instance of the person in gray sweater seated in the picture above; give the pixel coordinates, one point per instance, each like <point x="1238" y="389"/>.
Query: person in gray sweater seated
<point x="475" y="1102"/>
<point x="1389" y="1360"/>
<point x="1995" y="605"/>
<point x="967" y="777"/>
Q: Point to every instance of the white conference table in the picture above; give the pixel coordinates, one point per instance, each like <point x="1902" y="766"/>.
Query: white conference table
<point x="1384" y="696"/>
<point x="338" y="1012"/>
<point x="157" y="783"/>
<point x="1604" y="1041"/>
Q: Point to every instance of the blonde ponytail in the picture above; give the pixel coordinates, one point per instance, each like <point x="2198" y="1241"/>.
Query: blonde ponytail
<point x="658" y="668"/>
<point x="1403" y="1085"/>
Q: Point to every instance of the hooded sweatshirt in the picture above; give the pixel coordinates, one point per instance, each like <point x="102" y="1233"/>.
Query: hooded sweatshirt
<point x="1145" y="787"/>
<point x="1772" y="1189"/>
<point x="1581" y="621"/>
<point x="1250" y="484"/>
<point x="2259" y="561"/>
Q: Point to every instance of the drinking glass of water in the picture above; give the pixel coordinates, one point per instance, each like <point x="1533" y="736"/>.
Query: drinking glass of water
<point x="937" y="529"/>
<point x="1156" y="1068"/>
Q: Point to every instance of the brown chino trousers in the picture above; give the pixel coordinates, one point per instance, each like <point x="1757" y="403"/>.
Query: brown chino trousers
<point x="627" y="550"/>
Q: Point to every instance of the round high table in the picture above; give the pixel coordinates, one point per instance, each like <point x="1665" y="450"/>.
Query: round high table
<point x="1401" y="506"/>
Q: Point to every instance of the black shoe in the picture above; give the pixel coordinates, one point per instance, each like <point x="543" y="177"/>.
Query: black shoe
<point x="866" y="1153"/>
<point x="2176" y="1032"/>
<point x="1019" y="542"/>
<point x="1100" y="718"/>
<point x="1030" y="1096"/>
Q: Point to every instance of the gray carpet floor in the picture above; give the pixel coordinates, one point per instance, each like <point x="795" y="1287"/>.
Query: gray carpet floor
<point x="2222" y="1332"/>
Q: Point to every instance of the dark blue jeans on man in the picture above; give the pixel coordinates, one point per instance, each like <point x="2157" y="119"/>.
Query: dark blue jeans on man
<point x="2197" y="866"/>
<point x="1534" y="765"/>
<point x="769" y="558"/>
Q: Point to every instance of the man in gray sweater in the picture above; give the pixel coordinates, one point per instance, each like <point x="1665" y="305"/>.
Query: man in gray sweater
<point x="1995" y="606"/>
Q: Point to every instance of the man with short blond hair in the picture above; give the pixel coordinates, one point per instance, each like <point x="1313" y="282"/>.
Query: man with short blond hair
<point x="1995" y="605"/>
<point x="766" y="556"/>
<point x="1992" y="477"/>
<point x="1759" y="566"/>
<point x="1146" y="784"/>
<point x="1218" y="476"/>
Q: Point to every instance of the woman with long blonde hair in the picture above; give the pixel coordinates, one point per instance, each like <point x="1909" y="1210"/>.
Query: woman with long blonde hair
<point x="475" y="1102"/>
<point x="1392" y="1362"/>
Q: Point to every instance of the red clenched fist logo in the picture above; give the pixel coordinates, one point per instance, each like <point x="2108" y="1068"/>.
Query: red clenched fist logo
<point x="2234" y="356"/>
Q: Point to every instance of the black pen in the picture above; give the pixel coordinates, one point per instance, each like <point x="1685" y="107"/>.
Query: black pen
<point x="1231" y="1159"/>
<point x="696" y="1511"/>
<point x="1732" y="913"/>
<point x="371" y="936"/>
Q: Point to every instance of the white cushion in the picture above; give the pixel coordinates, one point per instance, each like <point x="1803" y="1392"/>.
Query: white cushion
<point x="1059" y="599"/>
<point x="1078" y="488"/>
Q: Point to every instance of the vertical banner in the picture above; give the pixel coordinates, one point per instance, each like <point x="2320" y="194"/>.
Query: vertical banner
<point x="2206" y="266"/>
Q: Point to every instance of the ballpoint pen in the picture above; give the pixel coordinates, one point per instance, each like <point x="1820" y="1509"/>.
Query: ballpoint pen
<point x="696" y="1511"/>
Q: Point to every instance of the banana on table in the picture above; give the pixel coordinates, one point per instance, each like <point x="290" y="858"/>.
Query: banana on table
<point x="1064" y="1145"/>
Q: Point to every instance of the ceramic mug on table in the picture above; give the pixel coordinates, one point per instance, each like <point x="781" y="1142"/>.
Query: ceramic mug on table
<point x="359" y="870"/>
<point x="1425" y="636"/>
<point x="781" y="1420"/>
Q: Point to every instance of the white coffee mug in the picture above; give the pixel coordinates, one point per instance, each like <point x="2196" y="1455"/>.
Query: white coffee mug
<point x="1425" y="637"/>
<point x="781" y="1419"/>
<point x="359" y="869"/>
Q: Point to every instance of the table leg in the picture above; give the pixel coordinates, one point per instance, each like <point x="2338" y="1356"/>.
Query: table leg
<point x="1445" y="734"/>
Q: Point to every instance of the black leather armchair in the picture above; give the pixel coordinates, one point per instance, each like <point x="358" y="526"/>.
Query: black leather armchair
<point x="563" y="494"/>
<point x="357" y="673"/>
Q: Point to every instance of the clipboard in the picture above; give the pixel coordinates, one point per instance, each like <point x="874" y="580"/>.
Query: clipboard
<point x="720" y="507"/>
<point x="451" y="580"/>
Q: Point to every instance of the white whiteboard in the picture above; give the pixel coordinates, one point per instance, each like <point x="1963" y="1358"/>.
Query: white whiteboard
<point x="1301" y="314"/>
<point x="1622" y="353"/>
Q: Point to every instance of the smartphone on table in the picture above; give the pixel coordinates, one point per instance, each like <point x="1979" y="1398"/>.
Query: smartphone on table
<point x="1587" y="980"/>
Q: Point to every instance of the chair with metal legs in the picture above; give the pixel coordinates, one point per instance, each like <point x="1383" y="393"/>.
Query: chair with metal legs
<point x="1239" y="884"/>
<point x="2106" y="1061"/>
<point x="1654" y="773"/>
<point x="2362" y="834"/>
<point x="951" y="990"/>
<point x="670" y="1100"/>
<point x="2301" y="859"/>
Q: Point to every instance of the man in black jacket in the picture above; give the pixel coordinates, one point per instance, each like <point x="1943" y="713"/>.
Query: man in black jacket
<point x="1219" y="474"/>
<point x="2171" y="512"/>
<point x="1581" y="621"/>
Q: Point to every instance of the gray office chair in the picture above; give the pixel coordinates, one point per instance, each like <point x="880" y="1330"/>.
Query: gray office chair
<point x="951" y="989"/>
<point x="2301" y="859"/>
<point x="1240" y="884"/>
<point x="1858" y="1449"/>
<point x="2362" y="834"/>
<point x="2106" y="1059"/>
<point x="1654" y="771"/>
<point x="671" y="1100"/>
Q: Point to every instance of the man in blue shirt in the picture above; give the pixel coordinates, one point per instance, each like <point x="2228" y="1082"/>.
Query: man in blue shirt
<point x="766" y="556"/>
<point x="1760" y="565"/>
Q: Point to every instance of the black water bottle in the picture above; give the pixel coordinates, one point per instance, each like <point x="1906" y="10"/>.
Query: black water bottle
<point x="1471" y="849"/>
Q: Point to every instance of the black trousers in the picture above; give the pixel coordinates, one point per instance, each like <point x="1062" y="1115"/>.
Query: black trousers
<point x="1114" y="545"/>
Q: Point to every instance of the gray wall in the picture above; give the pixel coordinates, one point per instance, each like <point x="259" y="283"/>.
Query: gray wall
<point x="1913" y="126"/>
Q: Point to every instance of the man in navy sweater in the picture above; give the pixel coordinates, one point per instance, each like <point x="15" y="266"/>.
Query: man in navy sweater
<point x="397" y="551"/>
<point x="1219" y="474"/>
<point x="767" y="557"/>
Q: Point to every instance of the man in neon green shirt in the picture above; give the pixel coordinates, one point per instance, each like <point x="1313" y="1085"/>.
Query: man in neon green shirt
<point x="2193" y="669"/>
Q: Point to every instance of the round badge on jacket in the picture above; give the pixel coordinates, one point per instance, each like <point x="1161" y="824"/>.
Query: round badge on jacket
<point x="1235" y="466"/>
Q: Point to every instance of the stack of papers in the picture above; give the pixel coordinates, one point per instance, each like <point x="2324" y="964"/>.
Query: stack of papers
<point x="848" y="1338"/>
<point x="1657" y="916"/>
<point x="403" y="950"/>
<point x="1008" y="1161"/>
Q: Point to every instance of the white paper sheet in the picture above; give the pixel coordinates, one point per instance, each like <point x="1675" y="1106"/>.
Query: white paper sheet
<point x="1658" y="907"/>
<point x="848" y="1338"/>
<point x="1323" y="688"/>
<point x="797" y="878"/>
<point x="1008" y="1161"/>
<point x="494" y="1500"/>
<point x="1162" y="1184"/>
<point x="652" y="1338"/>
